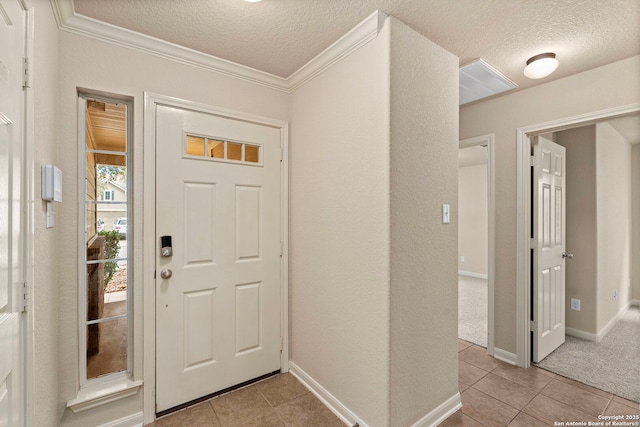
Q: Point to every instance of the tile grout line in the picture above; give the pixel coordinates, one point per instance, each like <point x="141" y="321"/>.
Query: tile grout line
<point x="608" y="404"/>
<point x="519" y="410"/>
<point x="273" y="408"/>
<point x="210" y="402"/>
<point x="553" y="379"/>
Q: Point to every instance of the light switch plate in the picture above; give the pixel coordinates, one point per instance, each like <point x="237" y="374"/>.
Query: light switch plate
<point x="446" y="216"/>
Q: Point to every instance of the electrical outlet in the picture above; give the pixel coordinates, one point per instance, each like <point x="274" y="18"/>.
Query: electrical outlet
<point x="575" y="304"/>
<point x="462" y="258"/>
<point x="615" y="295"/>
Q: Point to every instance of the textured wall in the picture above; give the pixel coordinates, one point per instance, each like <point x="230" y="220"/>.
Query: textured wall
<point x="373" y="273"/>
<point x="635" y="211"/>
<point x="613" y="183"/>
<point x="604" y="87"/>
<point x="91" y="64"/>
<point x="473" y="214"/>
<point x="424" y="284"/>
<point x="45" y="269"/>
<point x="339" y="218"/>
<point x="581" y="278"/>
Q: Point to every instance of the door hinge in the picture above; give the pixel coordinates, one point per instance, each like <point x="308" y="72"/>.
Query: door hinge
<point x="532" y="326"/>
<point x="26" y="297"/>
<point x="532" y="161"/>
<point x="26" y="73"/>
<point x="281" y="153"/>
<point x="281" y="343"/>
<point x="533" y="244"/>
<point x="281" y="248"/>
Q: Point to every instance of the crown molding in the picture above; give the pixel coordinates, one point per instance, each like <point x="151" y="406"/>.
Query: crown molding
<point x="360" y="35"/>
<point x="72" y="22"/>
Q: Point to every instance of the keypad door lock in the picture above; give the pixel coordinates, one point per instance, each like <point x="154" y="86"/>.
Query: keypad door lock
<point x="166" y="250"/>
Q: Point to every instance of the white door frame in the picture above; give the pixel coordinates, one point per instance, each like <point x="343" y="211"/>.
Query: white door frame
<point x="489" y="141"/>
<point x="27" y="231"/>
<point x="151" y="101"/>
<point x="28" y="223"/>
<point x="523" y="219"/>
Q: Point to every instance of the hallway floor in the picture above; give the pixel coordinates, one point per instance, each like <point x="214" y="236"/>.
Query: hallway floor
<point x="279" y="401"/>
<point x="498" y="394"/>
<point x="493" y="394"/>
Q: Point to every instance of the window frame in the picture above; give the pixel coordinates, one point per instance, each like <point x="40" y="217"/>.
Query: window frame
<point x="83" y="97"/>
<point x="226" y="141"/>
<point x="111" y="194"/>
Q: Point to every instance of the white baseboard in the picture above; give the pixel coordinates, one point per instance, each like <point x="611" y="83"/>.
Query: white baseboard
<point x="441" y="413"/>
<point x="604" y="331"/>
<point x="505" y="356"/>
<point x="580" y="334"/>
<point x="635" y="302"/>
<point x="133" y="420"/>
<point x="433" y="418"/>
<point x="472" y="274"/>
<point x="330" y="401"/>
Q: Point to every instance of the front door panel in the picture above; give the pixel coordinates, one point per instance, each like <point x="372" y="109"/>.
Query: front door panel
<point x="218" y="197"/>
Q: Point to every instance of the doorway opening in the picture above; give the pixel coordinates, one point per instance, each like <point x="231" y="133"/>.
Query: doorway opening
<point x="476" y="222"/>
<point x="594" y="303"/>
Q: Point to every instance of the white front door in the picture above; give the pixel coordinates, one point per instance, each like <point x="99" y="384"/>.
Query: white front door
<point x="12" y="51"/>
<point x="218" y="196"/>
<point x="549" y="222"/>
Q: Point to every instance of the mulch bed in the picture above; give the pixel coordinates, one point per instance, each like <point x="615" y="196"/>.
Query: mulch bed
<point x="118" y="282"/>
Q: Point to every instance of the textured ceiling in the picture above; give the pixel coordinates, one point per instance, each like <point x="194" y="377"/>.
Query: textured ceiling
<point x="279" y="36"/>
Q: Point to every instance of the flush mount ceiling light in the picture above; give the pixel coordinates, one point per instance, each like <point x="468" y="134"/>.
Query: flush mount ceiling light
<point x="540" y="66"/>
<point x="252" y="1"/>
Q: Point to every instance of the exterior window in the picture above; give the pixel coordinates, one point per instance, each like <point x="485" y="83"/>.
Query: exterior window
<point x="213" y="148"/>
<point x="105" y="244"/>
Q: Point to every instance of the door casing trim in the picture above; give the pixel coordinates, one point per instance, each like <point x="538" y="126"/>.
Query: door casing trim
<point x="151" y="101"/>
<point x="489" y="140"/>
<point x="523" y="217"/>
<point x="27" y="226"/>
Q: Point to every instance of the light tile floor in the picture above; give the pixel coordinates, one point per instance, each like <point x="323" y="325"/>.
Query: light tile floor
<point x="498" y="394"/>
<point x="493" y="394"/>
<point x="279" y="401"/>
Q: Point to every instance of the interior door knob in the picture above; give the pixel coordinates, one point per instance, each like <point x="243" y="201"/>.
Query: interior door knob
<point x="166" y="273"/>
<point x="567" y="255"/>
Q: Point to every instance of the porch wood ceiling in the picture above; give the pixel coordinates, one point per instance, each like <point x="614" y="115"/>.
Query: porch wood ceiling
<point x="106" y="123"/>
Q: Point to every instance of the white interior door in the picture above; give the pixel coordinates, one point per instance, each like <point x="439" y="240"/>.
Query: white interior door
<point x="218" y="197"/>
<point x="549" y="222"/>
<point x="12" y="50"/>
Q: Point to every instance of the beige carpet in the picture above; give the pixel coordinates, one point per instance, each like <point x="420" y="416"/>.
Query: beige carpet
<point x="611" y="365"/>
<point x="472" y="310"/>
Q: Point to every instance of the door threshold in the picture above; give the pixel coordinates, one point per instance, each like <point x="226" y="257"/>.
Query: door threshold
<point x="217" y="393"/>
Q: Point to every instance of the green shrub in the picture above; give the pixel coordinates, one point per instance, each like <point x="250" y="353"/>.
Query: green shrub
<point x="111" y="248"/>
